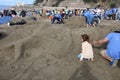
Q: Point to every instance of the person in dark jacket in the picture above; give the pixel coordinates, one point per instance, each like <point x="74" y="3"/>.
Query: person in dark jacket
<point x="23" y="13"/>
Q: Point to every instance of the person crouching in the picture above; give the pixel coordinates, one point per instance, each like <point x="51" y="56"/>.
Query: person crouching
<point x="58" y="17"/>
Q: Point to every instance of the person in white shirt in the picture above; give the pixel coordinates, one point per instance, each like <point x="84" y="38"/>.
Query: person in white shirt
<point x="87" y="50"/>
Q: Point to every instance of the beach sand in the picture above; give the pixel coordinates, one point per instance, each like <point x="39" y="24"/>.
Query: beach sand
<point x="44" y="51"/>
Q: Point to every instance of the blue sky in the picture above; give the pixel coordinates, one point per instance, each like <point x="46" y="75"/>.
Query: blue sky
<point x="13" y="2"/>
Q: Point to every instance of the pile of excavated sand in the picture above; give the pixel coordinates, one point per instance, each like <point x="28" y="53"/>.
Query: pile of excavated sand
<point x="44" y="51"/>
<point x="75" y="22"/>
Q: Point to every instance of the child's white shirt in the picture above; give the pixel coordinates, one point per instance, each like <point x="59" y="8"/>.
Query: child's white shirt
<point x="87" y="50"/>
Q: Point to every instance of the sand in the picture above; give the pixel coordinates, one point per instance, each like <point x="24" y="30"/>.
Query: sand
<point x="43" y="51"/>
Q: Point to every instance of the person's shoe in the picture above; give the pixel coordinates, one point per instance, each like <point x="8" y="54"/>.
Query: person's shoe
<point x="8" y="24"/>
<point x="79" y="56"/>
<point x="85" y="59"/>
<point x="113" y="63"/>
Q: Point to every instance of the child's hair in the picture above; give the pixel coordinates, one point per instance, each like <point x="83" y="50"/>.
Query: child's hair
<point x="85" y="37"/>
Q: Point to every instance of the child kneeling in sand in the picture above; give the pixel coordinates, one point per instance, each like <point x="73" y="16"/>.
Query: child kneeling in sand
<point x="87" y="50"/>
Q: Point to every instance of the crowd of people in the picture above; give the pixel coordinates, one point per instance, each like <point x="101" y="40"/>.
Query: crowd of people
<point x="92" y="15"/>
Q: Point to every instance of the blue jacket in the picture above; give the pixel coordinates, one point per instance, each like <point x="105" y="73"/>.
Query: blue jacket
<point x="89" y="17"/>
<point x="5" y="19"/>
<point x="113" y="47"/>
<point x="58" y="16"/>
<point x="115" y="10"/>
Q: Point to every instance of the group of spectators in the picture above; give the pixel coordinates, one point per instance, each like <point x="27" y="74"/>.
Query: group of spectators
<point x="12" y="12"/>
<point x="92" y="15"/>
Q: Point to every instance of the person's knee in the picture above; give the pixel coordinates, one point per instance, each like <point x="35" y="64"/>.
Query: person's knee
<point x="102" y="52"/>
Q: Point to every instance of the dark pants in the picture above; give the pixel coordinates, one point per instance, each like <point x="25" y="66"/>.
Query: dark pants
<point x="110" y="16"/>
<point x="59" y="20"/>
<point x="113" y="16"/>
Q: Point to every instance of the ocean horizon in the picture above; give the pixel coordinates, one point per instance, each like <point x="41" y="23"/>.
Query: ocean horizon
<point x="2" y="7"/>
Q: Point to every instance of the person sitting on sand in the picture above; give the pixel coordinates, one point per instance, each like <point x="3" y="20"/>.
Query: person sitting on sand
<point x="87" y="50"/>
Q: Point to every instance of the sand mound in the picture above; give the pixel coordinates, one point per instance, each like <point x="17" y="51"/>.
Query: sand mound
<point x="42" y="51"/>
<point x="75" y="22"/>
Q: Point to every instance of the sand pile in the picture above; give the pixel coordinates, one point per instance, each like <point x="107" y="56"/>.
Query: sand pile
<point x="75" y="22"/>
<point x="42" y="51"/>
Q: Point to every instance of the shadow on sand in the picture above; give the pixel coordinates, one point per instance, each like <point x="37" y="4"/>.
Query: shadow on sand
<point x="83" y="73"/>
<point x="2" y="35"/>
<point x="118" y="64"/>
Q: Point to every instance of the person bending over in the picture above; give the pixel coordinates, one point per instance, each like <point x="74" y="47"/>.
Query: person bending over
<point x="58" y="17"/>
